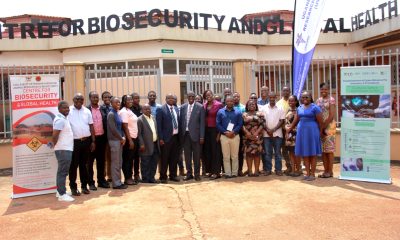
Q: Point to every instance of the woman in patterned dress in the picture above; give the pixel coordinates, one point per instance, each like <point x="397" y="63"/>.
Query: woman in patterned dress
<point x="291" y="137"/>
<point x="327" y="105"/>
<point x="253" y="122"/>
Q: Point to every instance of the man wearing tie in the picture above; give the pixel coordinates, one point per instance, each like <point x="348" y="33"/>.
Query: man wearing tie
<point x="167" y="125"/>
<point x="192" y="127"/>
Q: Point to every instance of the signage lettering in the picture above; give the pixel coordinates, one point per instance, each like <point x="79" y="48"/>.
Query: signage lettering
<point x="183" y="19"/>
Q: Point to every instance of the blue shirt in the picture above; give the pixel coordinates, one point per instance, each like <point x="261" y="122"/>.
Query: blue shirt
<point x="261" y="102"/>
<point x="224" y="117"/>
<point x="118" y="122"/>
<point x="240" y="107"/>
<point x="154" y="109"/>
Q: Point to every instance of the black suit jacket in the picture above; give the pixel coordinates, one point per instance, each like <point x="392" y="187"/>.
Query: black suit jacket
<point x="164" y="122"/>
<point x="196" y="124"/>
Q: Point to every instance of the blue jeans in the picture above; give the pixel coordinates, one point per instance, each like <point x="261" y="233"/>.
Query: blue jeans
<point x="273" y="145"/>
<point x="64" y="158"/>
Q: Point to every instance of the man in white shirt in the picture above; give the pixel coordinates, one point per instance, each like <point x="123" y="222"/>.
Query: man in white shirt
<point x="63" y="147"/>
<point x="273" y="136"/>
<point x="81" y="122"/>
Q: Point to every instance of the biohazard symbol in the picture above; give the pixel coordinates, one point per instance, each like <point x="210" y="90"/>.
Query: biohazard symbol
<point x="34" y="144"/>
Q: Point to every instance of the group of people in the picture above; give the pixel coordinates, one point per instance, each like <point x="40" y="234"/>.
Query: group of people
<point x="213" y="135"/>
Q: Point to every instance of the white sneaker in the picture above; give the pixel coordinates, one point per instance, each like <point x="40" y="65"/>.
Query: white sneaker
<point x="65" y="198"/>
<point x="58" y="195"/>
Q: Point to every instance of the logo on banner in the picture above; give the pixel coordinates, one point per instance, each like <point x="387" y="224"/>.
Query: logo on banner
<point x="300" y="39"/>
<point x="34" y="144"/>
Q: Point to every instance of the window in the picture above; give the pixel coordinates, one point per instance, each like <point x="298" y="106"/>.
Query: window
<point x="182" y="66"/>
<point x="91" y="69"/>
<point x="108" y="70"/>
<point x="144" y="64"/>
<point x="169" y="66"/>
<point x="145" y="67"/>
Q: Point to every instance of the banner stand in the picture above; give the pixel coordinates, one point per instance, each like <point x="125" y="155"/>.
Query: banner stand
<point x="34" y="106"/>
<point x="365" y="123"/>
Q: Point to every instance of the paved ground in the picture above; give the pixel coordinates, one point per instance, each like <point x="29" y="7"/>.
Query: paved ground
<point x="244" y="208"/>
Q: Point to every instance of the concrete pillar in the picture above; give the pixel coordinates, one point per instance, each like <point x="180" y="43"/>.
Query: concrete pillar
<point x="74" y="80"/>
<point x="244" y="82"/>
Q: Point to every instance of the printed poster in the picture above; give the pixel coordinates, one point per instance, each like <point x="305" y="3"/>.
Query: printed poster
<point x="365" y="130"/>
<point x="34" y="105"/>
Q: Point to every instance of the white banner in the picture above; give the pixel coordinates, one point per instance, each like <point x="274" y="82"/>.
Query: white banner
<point x="34" y="105"/>
<point x="307" y="26"/>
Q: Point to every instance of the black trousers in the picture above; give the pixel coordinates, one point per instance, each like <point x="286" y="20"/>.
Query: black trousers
<point x="128" y="157"/>
<point x="80" y="158"/>
<point x="169" y="158"/>
<point x="99" y="155"/>
<point x="211" y="154"/>
<point x="192" y="151"/>
<point x="136" y="158"/>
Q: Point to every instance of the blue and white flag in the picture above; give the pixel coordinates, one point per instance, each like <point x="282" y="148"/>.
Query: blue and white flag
<point x="307" y="26"/>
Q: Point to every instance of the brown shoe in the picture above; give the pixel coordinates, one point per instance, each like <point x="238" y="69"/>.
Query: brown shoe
<point x="279" y="173"/>
<point x="130" y="181"/>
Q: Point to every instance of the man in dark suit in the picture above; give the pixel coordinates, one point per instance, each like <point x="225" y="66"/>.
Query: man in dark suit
<point x="191" y="134"/>
<point x="168" y="132"/>
<point x="148" y="142"/>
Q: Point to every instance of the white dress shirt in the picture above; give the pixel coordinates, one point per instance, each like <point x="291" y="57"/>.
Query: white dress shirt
<point x="80" y="120"/>
<point x="272" y="116"/>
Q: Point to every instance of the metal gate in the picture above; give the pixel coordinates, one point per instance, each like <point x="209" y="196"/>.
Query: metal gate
<point x="67" y="89"/>
<point x="209" y="75"/>
<point x="276" y="74"/>
<point x="121" y="81"/>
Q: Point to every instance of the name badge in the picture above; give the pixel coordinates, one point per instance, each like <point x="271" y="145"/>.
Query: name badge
<point x="230" y="127"/>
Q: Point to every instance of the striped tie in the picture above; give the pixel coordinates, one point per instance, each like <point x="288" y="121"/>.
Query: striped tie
<point x="188" y="115"/>
<point x="174" y="123"/>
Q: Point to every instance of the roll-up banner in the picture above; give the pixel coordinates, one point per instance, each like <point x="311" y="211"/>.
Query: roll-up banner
<point x="365" y="128"/>
<point x="307" y="26"/>
<point x="34" y="105"/>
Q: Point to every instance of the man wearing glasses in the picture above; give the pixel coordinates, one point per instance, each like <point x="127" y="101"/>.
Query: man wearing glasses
<point x="81" y="122"/>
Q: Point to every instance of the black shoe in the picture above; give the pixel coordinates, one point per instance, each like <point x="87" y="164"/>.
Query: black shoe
<point x="103" y="185"/>
<point x="154" y="181"/>
<point x="197" y="178"/>
<point x="187" y="178"/>
<point x="267" y="173"/>
<point x="175" y="179"/>
<point x="233" y="176"/>
<point x="215" y="176"/>
<point x="227" y="176"/>
<point x="164" y="181"/>
<point x="122" y="186"/>
<point x="85" y="191"/>
<point x="75" y="192"/>
<point x="92" y="187"/>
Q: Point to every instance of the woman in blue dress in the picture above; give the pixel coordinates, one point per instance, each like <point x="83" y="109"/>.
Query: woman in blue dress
<point x="308" y="142"/>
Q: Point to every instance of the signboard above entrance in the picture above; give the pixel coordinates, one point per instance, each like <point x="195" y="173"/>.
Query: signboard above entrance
<point x="183" y="19"/>
<point x="167" y="50"/>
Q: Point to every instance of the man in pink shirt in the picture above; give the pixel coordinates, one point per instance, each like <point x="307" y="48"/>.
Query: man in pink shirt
<point x="99" y="153"/>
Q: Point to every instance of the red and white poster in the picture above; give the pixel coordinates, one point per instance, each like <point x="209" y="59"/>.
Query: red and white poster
<point x="34" y="105"/>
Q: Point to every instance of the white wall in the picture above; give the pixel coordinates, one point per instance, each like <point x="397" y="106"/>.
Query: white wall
<point x="285" y="52"/>
<point x="31" y="58"/>
<point x="152" y="49"/>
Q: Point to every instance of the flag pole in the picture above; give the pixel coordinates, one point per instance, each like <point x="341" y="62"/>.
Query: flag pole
<point x="293" y="28"/>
